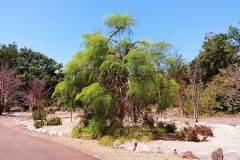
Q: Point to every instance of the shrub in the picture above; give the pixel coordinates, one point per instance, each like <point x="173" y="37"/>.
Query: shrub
<point x="132" y="132"/>
<point x="106" y="141"/>
<point x="193" y="133"/>
<point x="39" y="114"/>
<point x="148" y="120"/>
<point x="54" y="121"/>
<point x="49" y="111"/>
<point x="76" y="132"/>
<point x="121" y="140"/>
<point x="169" y="127"/>
<point x="39" y="117"/>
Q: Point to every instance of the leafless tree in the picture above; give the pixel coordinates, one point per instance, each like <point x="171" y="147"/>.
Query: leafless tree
<point x="9" y="84"/>
<point x="195" y="75"/>
<point x="36" y="93"/>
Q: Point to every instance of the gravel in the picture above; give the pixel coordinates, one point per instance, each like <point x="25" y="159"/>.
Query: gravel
<point x="225" y="136"/>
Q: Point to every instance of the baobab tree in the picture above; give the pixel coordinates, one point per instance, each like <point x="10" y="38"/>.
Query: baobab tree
<point x="36" y="93"/>
<point x="8" y="86"/>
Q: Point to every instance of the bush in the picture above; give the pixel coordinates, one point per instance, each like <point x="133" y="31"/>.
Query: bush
<point x="148" y="120"/>
<point x="193" y="133"/>
<point x="132" y="132"/>
<point x="106" y="141"/>
<point x="49" y="111"/>
<point x="169" y="127"/>
<point x="54" y="121"/>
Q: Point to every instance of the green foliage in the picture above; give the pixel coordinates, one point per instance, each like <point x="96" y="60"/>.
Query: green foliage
<point x="170" y="127"/>
<point x="38" y="124"/>
<point x="112" y="79"/>
<point x="119" y="22"/>
<point x="29" y="65"/>
<point x="54" y="121"/>
<point x="167" y="93"/>
<point x="49" y="111"/>
<point x="148" y="120"/>
<point x="218" y="53"/>
<point x="132" y="132"/>
<point x="76" y="132"/>
<point x="106" y="141"/>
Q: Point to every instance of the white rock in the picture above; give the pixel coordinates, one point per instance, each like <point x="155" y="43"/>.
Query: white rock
<point x="44" y="131"/>
<point x="231" y="155"/>
<point x="53" y="133"/>
<point x="142" y="147"/>
<point x="60" y="134"/>
<point x="30" y="128"/>
<point x="202" y="155"/>
<point x="170" y="151"/>
<point x="155" y="149"/>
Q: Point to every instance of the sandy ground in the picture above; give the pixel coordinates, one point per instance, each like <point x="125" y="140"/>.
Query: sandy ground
<point x="225" y="136"/>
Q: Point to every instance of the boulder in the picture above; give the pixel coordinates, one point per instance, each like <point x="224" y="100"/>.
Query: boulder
<point x="155" y="149"/>
<point x="142" y="147"/>
<point x="232" y="155"/>
<point x="217" y="154"/>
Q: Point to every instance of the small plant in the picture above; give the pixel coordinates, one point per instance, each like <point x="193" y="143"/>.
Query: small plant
<point x="132" y="132"/>
<point x="106" y="141"/>
<point x="54" y="121"/>
<point x="193" y="133"/>
<point x="39" y="116"/>
<point x="38" y="124"/>
<point x="49" y="111"/>
<point x="169" y="127"/>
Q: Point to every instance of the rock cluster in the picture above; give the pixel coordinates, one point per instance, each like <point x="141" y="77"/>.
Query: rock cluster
<point x="183" y="153"/>
<point x="40" y="130"/>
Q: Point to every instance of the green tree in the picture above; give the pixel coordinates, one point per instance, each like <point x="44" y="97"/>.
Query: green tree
<point x="217" y="53"/>
<point x="114" y="79"/>
<point x="31" y="65"/>
<point x="177" y="70"/>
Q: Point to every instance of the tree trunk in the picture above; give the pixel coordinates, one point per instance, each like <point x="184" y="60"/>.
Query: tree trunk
<point x="180" y="102"/>
<point x="1" y="108"/>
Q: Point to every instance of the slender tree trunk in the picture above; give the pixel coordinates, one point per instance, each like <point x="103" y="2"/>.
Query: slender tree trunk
<point x="1" y="108"/>
<point x="195" y="105"/>
<point x="180" y="102"/>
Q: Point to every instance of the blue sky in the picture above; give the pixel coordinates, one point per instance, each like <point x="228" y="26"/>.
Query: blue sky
<point x="55" y="27"/>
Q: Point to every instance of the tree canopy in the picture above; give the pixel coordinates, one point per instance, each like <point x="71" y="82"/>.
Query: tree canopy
<point x="116" y="80"/>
